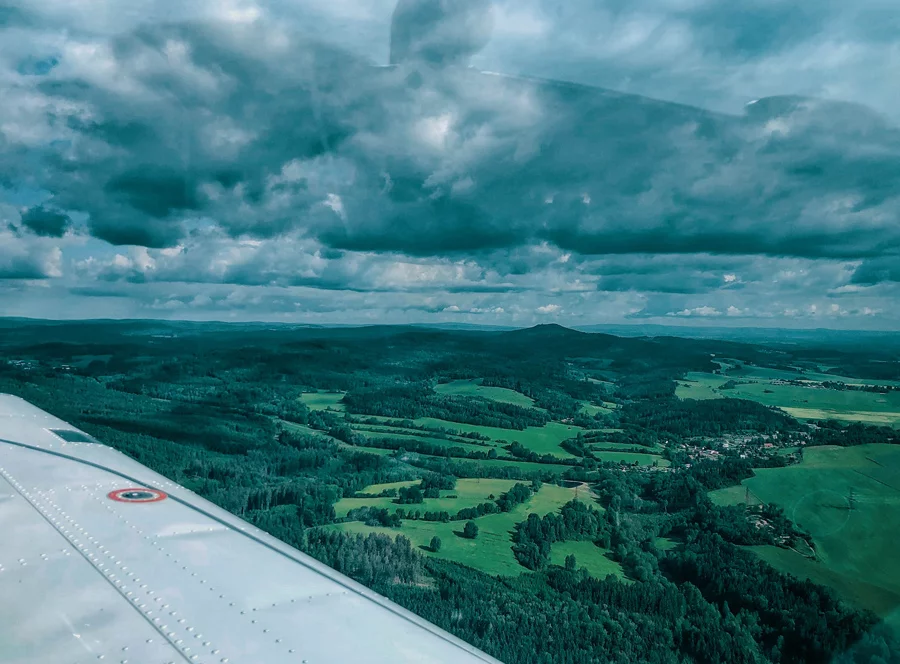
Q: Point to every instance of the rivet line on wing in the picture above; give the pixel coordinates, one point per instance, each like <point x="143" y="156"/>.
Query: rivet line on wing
<point x="71" y="530"/>
<point x="177" y="638"/>
<point x="156" y="542"/>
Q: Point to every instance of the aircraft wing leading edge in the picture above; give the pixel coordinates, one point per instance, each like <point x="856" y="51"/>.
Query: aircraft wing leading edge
<point x="103" y="559"/>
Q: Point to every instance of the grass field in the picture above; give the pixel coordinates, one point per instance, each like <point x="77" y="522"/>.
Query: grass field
<point x="368" y="450"/>
<point x="732" y="495"/>
<point x="801" y="402"/>
<point x="474" y="388"/>
<point x="468" y="492"/>
<point x="543" y="440"/>
<point x="303" y="429"/>
<point x="700" y="386"/>
<point x="378" y="488"/>
<point x="631" y="457"/>
<point x="856" y="548"/>
<point x="591" y="409"/>
<point x="372" y="428"/>
<point x="665" y="544"/>
<point x="323" y="400"/>
<point x="764" y="373"/>
<point x="491" y="551"/>
<point x="524" y="466"/>
<point x="868" y="417"/>
<point x="375" y="433"/>
<point x="606" y="446"/>
<point x="587" y="555"/>
<point x="438" y="442"/>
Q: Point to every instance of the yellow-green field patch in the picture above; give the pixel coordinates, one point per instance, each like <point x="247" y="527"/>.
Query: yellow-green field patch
<point x="808" y="400"/>
<point x="731" y="495"/>
<point x="607" y="446"/>
<point x="323" y="400"/>
<point x="848" y="499"/>
<point x="632" y="458"/>
<point x="591" y="409"/>
<point x="587" y="555"/>
<point x="378" y="488"/>
<point x="665" y="544"/>
<point x="700" y="386"/>
<point x="542" y="440"/>
<point x="474" y="388"/>
<point x="491" y="551"/>
<point x="368" y="450"/>
<point x="468" y="493"/>
<point x="437" y="442"/>
<point x="887" y="419"/>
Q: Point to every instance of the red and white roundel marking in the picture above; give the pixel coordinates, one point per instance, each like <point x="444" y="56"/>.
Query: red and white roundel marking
<point x="137" y="495"/>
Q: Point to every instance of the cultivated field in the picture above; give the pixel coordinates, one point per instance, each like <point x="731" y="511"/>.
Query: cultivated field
<point x="809" y="401"/>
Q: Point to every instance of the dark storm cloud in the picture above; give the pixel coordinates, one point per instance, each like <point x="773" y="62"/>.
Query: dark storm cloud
<point x="21" y="268"/>
<point x="878" y="270"/>
<point x="672" y="274"/>
<point x="235" y="150"/>
<point x="94" y="291"/>
<point x="46" y="222"/>
<point x="440" y="33"/>
<point x="434" y="163"/>
<point x="156" y="192"/>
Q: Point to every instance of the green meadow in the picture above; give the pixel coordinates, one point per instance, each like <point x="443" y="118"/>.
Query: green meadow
<point x="474" y="388"/>
<point x="803" y="402"/>
<point x="491" y="551"/>
<point x="848" y="499"/>
<point x="438" y="442"/>
<point x="468" y="493"/>
<point x="587" y="555"/>
<point x="323" y="400"/>
<point x="632" y="458"/>
<point x="542" y="440"/>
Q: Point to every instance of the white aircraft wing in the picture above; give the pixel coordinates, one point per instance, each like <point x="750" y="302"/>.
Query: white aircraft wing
<point x="103" y="559"/>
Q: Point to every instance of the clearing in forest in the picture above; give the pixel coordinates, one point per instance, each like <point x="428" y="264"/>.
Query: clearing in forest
<point x="590" y="409"/>
<point x="474" y="388"/>
<point x="542" y="440"/>
<point x="323" y="400"/>
<point x="587" y="555"/>
<point x="468" y="493"/>
<point x="491" y="551"/>
<point x="425" y="439"/>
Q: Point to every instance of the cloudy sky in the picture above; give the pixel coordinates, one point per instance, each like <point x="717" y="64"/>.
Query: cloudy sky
<point x="522" y="161"/>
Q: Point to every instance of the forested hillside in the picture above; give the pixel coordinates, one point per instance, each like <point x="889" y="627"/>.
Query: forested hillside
<point x="584" y="470"/>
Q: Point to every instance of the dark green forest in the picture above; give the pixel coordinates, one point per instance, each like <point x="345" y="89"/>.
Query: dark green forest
<point x="219" y="409"/>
